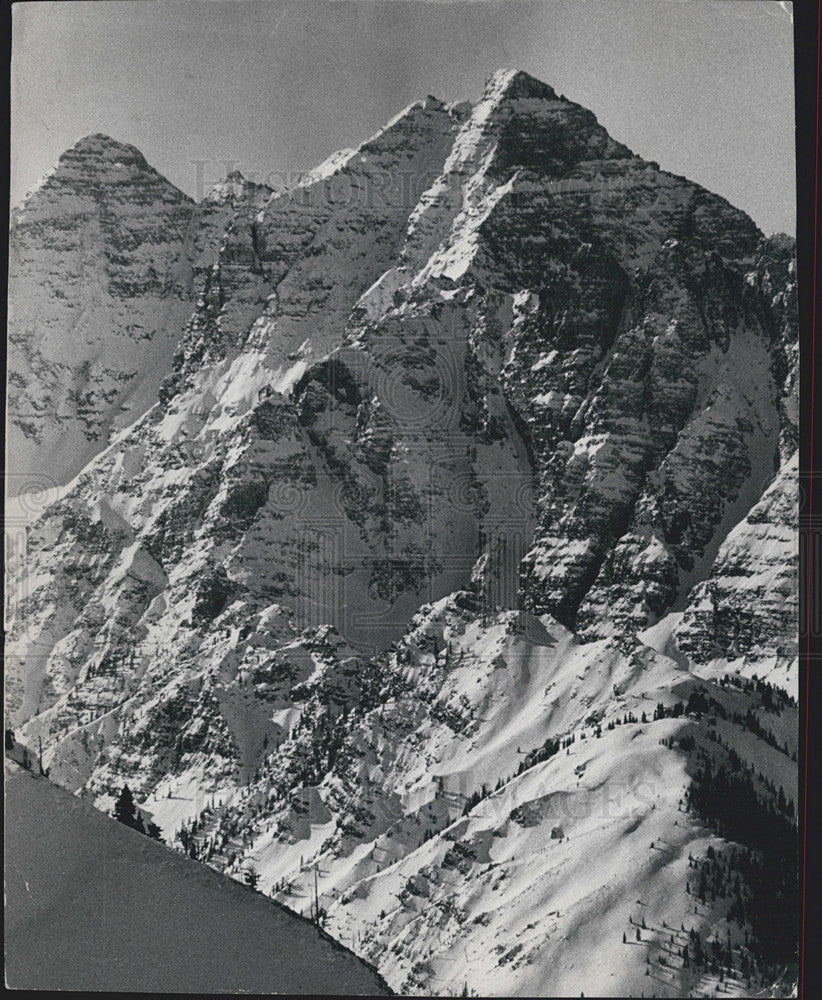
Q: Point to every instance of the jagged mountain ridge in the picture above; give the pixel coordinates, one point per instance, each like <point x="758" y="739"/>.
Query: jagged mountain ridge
<point x="489" y="353"/>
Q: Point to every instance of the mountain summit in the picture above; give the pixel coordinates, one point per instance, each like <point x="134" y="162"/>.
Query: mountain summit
<point x="518" y="83"/>
<point x="98" y="149"/>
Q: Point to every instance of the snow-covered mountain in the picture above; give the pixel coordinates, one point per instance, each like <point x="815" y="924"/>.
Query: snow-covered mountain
<point x="450" y="556"/>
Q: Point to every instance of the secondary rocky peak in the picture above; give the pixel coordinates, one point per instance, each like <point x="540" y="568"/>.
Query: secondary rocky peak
<point x="103" y="147"/>
<point x="101" y="257"/>
<point x="98" y="167"/>
<point x="234" y="187"/>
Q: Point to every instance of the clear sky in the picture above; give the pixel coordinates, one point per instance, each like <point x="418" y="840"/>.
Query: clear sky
<point x="704" y="87"/>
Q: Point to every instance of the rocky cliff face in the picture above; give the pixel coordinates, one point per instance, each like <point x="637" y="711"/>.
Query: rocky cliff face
<point x="469" y="475"/>
<point x="748" y="603"/>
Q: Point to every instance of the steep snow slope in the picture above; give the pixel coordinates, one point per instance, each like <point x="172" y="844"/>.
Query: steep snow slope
<point x="93" y="905"/>
<point x="373" y="798"/>
<point x="463" y="438"/>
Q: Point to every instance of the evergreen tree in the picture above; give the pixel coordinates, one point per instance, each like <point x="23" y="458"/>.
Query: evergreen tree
<point x="125" y="811"/>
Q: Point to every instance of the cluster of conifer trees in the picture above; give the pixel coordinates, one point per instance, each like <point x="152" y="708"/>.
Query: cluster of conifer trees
<point x="128" y="814"/>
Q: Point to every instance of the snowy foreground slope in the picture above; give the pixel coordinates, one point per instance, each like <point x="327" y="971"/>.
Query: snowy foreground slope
<point x="93" y="905"/>
<point x="451" y="561"/>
